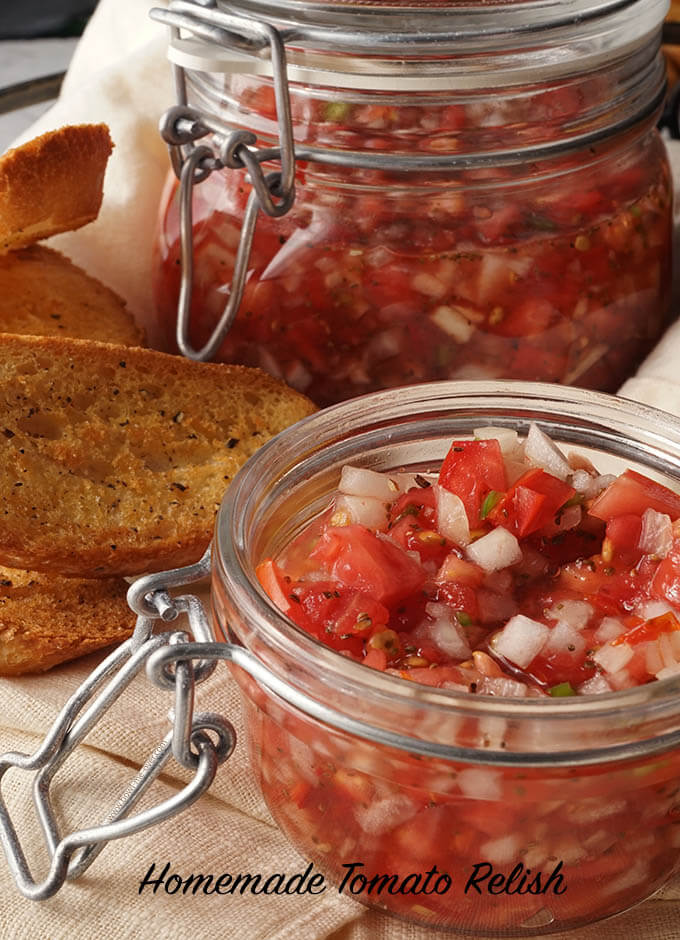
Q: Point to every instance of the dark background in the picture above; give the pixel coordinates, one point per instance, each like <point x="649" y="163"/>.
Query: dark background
<point x="29" y="18"/>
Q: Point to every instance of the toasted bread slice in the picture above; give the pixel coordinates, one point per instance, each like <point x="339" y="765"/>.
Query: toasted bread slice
<point x="46" y="620"/>
<point x="44" y="294"/>
<point x="52" y="184"/>
<point x="114" y="459"/>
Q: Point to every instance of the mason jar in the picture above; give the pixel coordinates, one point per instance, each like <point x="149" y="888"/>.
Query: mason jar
<point x="382" y="781"/>
<point x="480" y="192"/>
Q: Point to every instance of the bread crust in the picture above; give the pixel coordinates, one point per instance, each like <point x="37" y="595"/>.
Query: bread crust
<point x="46" y="620"/>
<point x="43" y="293"/>
<point x="53" y="183"/>
<point x="115" y="459"/>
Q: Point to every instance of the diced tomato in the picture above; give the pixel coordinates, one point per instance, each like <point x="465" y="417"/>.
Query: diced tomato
<point x="624" y="532"/>
<point x="376" y="659"/>
<point x="426" y="541"/>
<point x="455" y="568"/>
<point x="649" y="630"/>
<point x="633" y="493"/>
<point x="461" y="597"/>
<point x="531" y="503"/>
<point x="471" y="469"/>
<point x="417" y="503"/>
<point x="360" y="559"/>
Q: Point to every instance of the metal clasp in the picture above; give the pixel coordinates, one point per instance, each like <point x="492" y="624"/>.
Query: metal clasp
<point x="199" y="742"/>
<point x="181" y="126"/>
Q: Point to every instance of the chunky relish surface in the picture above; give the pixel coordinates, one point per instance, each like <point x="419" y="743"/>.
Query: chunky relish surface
<point x="373" y="281"/>
<point x="517" y="571"/>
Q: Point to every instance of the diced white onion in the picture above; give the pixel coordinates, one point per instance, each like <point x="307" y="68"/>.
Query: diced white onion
<point x="498" y="685"/>
<point x="363" y="510"/>
<point x="357" y="481"/>
<point x="657" y="533"/>
<point x="581" y="480"/>
<point x="384" y="814"/>
<point x="502" y="850"/>
<point x="666" y="649"/>
<point x="495" y="550"/>
<point x="515" y="467"/>
<point x="298" y="377"/>
<point x="575" y="613"/>
<point x="453" y="322"/>
<point x="653" y="661"/>
<point x="429" y="285"/>
<point x="479" y="783"/>
<point x="651" y="609"/>
<point x="598" y="685"/>
<point x="565" y="639"/>
<point x="452" y="520"/>
<point x="609" y="629"/>
<point x="613" y="658"/>
<point x="520" y="640"/>
<point x="508" y="439"/>
<point x="542" y="452"/>
<point x="668" y="672"/>
<point x="446" y="632"/>
<point x="593" y="486"/>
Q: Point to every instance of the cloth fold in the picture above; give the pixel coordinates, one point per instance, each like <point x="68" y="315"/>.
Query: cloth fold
<point x="120" y="75"/>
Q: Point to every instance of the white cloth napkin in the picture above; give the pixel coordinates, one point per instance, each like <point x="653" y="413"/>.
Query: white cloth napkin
<point x="120" y="75"/>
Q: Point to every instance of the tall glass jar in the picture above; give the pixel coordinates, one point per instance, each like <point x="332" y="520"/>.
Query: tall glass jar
<point x="489" y="200"/>
<point x="379" y="780"/>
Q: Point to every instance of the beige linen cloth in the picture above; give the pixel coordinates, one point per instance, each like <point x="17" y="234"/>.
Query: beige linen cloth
<point x="120" y="75"/>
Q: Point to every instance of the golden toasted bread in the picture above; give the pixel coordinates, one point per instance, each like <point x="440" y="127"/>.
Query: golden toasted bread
<point x="52" y="184"/>
<point x="114" y="460"/>
<point x="46" y="620"/>
<point x="43" y="293"/>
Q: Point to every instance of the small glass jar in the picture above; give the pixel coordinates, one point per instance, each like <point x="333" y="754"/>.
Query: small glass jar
<point x="380" y="781"/>
<point x="491" y="199"/>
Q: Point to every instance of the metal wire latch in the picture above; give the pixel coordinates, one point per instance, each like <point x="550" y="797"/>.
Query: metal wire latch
<point x="199" y="742"/>
<point x="181" y="126"/>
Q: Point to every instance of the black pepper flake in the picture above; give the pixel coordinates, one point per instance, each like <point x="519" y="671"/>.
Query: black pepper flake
<point x="8" y="434"/>
<point x="232" y="442"/>
<point x="178" y="418"/>
<point x="422" y="482"/>
<point x="178" y="486"/>
<point x="295" y="598"/>
<point x="122" y="363"/>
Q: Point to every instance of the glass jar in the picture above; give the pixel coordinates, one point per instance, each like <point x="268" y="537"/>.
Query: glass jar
<point x="485" y="198"/>
<point x="411" y="798"/>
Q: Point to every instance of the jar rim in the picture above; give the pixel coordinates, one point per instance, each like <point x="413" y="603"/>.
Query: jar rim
<point x="651" y="436"/>
<point x="385" y="45"/>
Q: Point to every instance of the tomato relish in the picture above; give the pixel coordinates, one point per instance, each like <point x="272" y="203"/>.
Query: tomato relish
<point x="372" y="282"/>
<point x="515" y="571"/>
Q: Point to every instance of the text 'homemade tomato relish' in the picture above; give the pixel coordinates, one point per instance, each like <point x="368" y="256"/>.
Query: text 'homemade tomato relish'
<point x="517" y="571"/>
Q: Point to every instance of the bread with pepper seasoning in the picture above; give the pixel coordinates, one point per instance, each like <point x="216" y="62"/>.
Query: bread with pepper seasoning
<point x="46" y="620"/>
<point x="115" y="459"/>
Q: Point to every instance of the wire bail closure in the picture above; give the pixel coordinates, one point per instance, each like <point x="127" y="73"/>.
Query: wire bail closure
<point x="191" y="740"/>
<point x="181" y="126"/>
